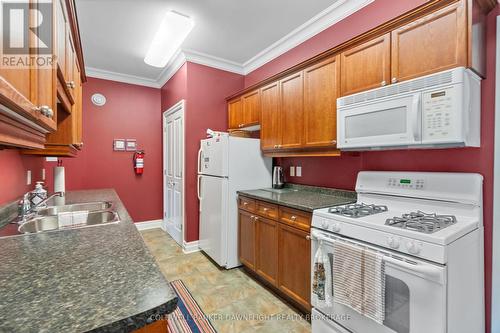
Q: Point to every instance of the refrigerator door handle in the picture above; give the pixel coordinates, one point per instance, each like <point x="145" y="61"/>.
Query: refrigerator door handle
<point x="198" y="187"/>
<point x="199" y="160"/>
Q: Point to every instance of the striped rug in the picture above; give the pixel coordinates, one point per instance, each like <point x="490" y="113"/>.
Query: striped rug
<point x="188" y="317"/>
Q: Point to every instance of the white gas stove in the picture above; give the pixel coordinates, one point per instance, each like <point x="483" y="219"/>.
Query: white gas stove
<point x="429" y="229"/>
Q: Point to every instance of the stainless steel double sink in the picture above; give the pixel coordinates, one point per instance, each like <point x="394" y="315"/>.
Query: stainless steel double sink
<point x="72" y="216"/>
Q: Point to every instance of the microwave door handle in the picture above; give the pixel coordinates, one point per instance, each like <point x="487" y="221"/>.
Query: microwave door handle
<point x="415" y="104"/>
<point x="427" y="271"/>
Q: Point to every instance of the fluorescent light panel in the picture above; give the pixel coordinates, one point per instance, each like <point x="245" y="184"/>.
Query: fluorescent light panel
<point x="173" y="30"/>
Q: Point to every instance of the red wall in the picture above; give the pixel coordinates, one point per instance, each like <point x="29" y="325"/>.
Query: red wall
<point x="341" y="172"/>
<point x="205" y="90"/>
<point x="13" y="168"/>
<point x="131" y="112"/>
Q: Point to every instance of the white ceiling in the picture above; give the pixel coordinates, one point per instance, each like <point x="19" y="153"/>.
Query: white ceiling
<point x="116" y="34"/>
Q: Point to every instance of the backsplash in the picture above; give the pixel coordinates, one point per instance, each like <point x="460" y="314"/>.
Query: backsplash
<point x="14" y="166"/>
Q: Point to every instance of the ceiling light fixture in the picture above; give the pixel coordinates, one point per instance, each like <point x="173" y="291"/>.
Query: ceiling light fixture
<point x="172" y="31"/>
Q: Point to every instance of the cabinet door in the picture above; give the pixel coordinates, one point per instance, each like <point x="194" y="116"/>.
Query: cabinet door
<point x="270" y="122"/>
<point x="78" y="107"/>
<point x="246" y="239"/>
<point x="366" y="66"/>
<point x="294" y="271"/>
<point x="321" y="87"/>
<point x="235" y="113"/>
<point x="266" y="261"/>
<point x="292" y="111"/>
<point x="251" y="108"/>
<point x="431" y="44"/>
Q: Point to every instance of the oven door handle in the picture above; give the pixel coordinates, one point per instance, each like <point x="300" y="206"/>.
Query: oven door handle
<point x="428" y="272"/>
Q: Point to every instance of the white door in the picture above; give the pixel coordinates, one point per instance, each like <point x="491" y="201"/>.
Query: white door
<point x="173" y="154"/>
<point x="212" y="193"/>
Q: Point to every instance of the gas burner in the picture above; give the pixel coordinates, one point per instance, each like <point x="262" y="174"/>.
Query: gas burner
<point x="358" y="210"/>
<point x="422" y="222"/>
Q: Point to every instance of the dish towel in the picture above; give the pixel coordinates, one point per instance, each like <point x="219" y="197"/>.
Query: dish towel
<point x="359" y="280"/>
<point x="322" y="279"/>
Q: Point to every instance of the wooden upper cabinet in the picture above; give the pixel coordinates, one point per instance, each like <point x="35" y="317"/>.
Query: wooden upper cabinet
<point x="434" y="43"/>
<point x="366" y="66"/>
<point x="251" y="108"/>
<point x="292" y="111"/>
<point x="235" y="113"/>
<point x="321" y="89"/>
<point x="246" y="239"/>
<point x="294" y="268"/>
<point x="270" y="128"/>
<point x="266" y="251"/>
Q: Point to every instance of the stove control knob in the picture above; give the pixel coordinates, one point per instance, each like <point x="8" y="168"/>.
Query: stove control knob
<point x="413" y="247"/>
<point x="392" y="242"/>
<point x="324" y="225"/>
<point x="336" y="227"/>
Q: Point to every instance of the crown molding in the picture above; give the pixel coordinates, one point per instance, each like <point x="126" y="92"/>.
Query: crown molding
<point x="328" y="17"/>
<point x="213" y="61"/>
<point x="121" y="77"/>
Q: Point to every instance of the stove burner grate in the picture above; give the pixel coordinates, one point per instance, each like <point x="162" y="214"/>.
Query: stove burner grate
<point x="422" y="222"/>
<point x="357" y="210"/>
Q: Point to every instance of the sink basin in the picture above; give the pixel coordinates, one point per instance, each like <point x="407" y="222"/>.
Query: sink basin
<point x="77" y="220"/>
<point x="280" y="190"/>
<point x="87" y="206"/>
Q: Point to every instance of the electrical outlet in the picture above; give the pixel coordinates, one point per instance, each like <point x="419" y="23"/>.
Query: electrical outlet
<point x="43" y="174"/>
<point x="292" y="171"/>
<point x="298" y="171"/>
<point x="28" y="177"/>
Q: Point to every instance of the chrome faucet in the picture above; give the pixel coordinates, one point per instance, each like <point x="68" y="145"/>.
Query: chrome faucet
<point x="27" y="209"/>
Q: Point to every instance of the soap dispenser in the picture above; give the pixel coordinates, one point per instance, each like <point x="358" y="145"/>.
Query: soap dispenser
<point x="38" y="195"/>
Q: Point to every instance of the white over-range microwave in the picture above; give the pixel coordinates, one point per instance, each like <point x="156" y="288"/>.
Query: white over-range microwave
<point x="440" y="110"/>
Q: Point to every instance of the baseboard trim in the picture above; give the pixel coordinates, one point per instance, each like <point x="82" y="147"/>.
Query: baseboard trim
<point x="145" y="225"/>
<point x="190" y="247"/>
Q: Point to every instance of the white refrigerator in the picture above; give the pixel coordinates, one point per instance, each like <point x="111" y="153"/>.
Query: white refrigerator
<point x="227" y="164"/>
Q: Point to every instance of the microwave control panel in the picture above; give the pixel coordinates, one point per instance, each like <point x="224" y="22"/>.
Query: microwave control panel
<point x="439" y="115"/>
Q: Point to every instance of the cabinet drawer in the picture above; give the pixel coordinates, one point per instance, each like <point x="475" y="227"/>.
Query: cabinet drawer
<point x="247" y="204"/>
<point x="267" y="210"/>
<point x="296" y="218"/>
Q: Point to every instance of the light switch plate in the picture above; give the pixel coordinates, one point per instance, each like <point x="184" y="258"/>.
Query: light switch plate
<point x="28" y="177"/>
<point x="298" y="171"/>
<point x="43" y="174"/>
<point x="292" y="171"/>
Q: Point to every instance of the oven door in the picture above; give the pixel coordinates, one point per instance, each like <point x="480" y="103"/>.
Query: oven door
<point x="415" y="294"/>
<point x="388" y="123"/>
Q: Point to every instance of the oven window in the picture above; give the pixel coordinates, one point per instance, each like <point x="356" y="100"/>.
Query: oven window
<point x="384" y="122"/>
<point x="397" y="305"/>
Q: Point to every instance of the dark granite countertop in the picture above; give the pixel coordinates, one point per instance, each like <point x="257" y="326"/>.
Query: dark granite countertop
<point x="307" y="198"/>
<point x="99" y="279"/>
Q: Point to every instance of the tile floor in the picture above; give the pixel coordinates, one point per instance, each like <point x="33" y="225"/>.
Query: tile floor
<point x="233" y="301"/>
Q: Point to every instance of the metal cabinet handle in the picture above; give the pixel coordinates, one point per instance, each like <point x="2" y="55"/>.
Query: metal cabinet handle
<point x="252" y="216"/>
<point x="383" y="83"/>
<point x="265" y="209"/>
<point x="293" y="217"/>
<point x="240" y="125"/>
<point x="255" y="218"/>
<point x="308" y="237"/>
<point x="45" y="110"/>
<point x="394" y="80"/>
<point x="245" y="204"/>
<point x="334" y="142"/>
<point x="71" y="84"/>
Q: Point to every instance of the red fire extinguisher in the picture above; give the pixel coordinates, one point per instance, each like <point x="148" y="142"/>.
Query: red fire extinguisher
<point x="139" y="162"/>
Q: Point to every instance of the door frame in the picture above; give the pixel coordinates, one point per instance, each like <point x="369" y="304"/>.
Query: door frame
<point x="178" y="107"/>
<point x="495" y="279"/>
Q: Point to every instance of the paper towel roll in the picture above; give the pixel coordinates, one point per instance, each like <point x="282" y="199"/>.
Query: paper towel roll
<point x="59" y="183"/>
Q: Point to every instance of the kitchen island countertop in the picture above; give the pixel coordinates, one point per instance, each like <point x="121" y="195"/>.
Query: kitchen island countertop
<point x="303" y="197"/>
<point x="98" y="279"/>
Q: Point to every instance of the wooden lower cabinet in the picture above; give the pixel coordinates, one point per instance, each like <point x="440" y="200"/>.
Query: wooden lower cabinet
<point x="277" y="251"/>
<point x="266" y="250"/>
<point x="159" y="326"/>
<point x="246" y="239"/>
<point x="294" y="272"/>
